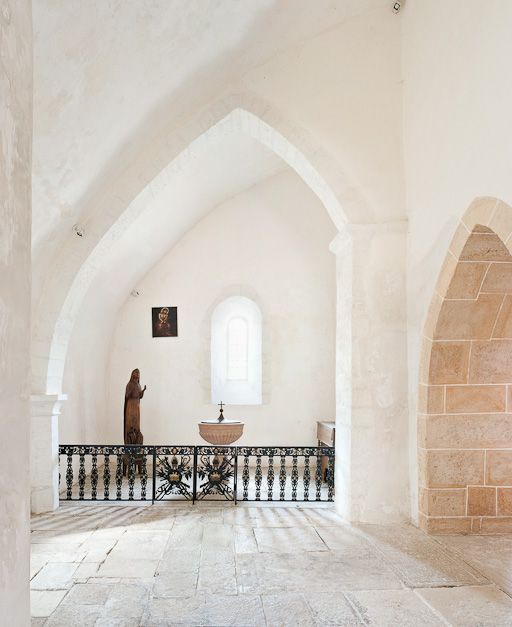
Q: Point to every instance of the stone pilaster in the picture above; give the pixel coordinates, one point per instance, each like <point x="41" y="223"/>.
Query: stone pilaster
<point x="371" y="373"/>
<point x="44" y="451"/>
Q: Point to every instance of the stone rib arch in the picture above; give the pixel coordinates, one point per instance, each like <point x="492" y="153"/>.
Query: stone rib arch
<point x="79" y="261"/>
<point x="465" y="402"/>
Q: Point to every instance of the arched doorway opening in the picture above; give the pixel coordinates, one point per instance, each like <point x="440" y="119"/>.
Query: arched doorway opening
<point x="465" y="419"/>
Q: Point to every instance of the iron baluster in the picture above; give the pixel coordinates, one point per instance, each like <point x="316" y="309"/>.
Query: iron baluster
<point x="307" y="477"/>
<point x="119" y="475"/>
<point x="245" y="476"/>
<point x="295" y="475"/>
<point x="69" y="474"/>
<point x="330" y="477"/>
<point x="81" y="475"/>
<point x="318" y="475"/>
<point x="131" y="474"/>
<point x="94" y="475"/>
<point x="235" y="478"/>
<point x="270" y="475"/>
<point x="143" y="475"/>
<point x="106" y="476"/>
<point x="282" y="477"/>
<point x="258" y="476"/>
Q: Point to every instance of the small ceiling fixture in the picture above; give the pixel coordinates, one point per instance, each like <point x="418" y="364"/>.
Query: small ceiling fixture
<point x="79" y="230"/>
<point x="397" y="6"/>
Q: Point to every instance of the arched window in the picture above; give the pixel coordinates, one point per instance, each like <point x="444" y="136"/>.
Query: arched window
<point x="236" y="352"/>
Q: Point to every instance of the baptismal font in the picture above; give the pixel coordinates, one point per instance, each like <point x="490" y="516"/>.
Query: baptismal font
<point x="221" y="431"/>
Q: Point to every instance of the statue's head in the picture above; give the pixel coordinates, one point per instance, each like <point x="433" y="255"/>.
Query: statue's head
<point x="136" y="374"/>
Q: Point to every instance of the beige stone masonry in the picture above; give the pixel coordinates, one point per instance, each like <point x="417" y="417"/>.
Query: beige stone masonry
<point x="498" y="279"/>
<point x="467" y="431"/>
<point x="503" y="326"/>
<point x="499" y="468"/>
<point x="496" y="525"/>
<point x="467" y="280"/>
<point x="491" y="362"/>
<point x="474" y="399"/>
<point x="449" y="362"/>
<point x="481" y="501"/>
<point x="468" y="319"/>
<point x="443" y="502"/>
<point x="484" y="247"/>
<point x="465" y="396"/>
<point x="431" y="399"/>
<point x="504" y="501"/>
<point x="454" y="469"/>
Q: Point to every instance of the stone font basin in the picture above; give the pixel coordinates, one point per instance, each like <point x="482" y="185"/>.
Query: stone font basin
<point x="221" y="433"/>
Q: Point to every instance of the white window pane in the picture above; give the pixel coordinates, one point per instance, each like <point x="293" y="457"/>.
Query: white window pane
<point x="238" y="341"/>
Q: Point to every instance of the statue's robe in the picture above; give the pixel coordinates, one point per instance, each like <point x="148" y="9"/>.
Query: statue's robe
<point x="132" y="407"/>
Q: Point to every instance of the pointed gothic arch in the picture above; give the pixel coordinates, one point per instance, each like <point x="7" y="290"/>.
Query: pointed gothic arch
<point x="464" y="419"/>
<point x="79" y="262"/>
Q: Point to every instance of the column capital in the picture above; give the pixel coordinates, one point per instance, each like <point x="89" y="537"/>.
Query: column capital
<point x="363" y="230"/>
<point x="46" y="404"/>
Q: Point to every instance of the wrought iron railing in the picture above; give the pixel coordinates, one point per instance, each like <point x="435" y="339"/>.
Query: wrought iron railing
<point x="161" y="473"/>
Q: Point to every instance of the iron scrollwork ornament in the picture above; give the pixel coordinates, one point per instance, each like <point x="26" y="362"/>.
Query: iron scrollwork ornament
<point x="173" y="475"/>
<point x="217" y="475"/>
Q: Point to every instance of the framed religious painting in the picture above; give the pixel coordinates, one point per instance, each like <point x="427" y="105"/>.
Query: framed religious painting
<point x="164" y="321"/>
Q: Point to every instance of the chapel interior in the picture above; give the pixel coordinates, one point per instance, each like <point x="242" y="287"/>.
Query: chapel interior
<point x="256" y="313"/>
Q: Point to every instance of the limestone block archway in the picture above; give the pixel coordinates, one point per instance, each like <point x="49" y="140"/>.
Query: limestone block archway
<point x="465" y="395"/>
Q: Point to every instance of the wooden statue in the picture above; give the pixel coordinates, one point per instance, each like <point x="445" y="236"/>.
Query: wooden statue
<point x="132" y="398"/>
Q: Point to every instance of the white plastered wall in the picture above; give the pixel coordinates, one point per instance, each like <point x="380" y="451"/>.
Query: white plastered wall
<point x="15" y="220"/>
<point x="457" y="141"/>
<point x="269" y="244"/>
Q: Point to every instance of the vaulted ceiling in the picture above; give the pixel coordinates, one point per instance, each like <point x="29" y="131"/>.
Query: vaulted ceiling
<point x="107" y="73"/>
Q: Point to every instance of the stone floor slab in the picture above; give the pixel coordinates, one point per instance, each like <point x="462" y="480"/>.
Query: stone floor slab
<point x="74" y="615"/>
<point x="177" y="584"/>
<point x="287" y="610"/>
<point x="471" y="606"/>
<point x="418" y="559"/>
<point x="332" y="609"/>
<point x="288" y="540"/>
<point x="389" y="608"/>
<point x="127" y="601"/>
<point x="343" y="539"/>
<point x="124" y="567"/>
<point x="88" y="594"/>
<point x="54" y="577"/>
<point x="44" y="602"/>
<point x="490" y="555"/>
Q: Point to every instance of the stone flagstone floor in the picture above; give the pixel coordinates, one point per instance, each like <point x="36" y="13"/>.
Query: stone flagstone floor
<point x="125" y="565"/>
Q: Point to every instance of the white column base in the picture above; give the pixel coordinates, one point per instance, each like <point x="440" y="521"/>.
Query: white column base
<point x="44" y="451"/>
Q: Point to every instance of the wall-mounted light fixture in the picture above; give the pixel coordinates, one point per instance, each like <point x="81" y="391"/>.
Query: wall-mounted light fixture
<point x="79" y="230"/>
